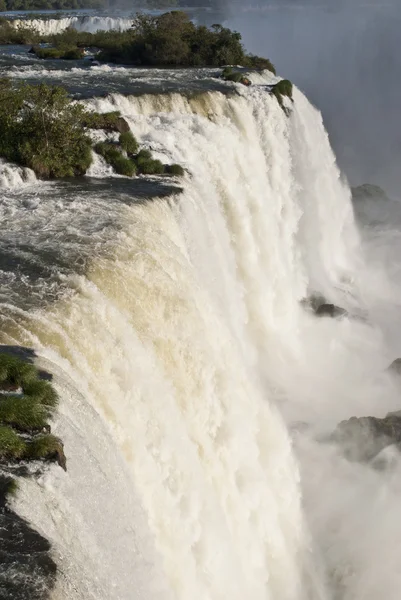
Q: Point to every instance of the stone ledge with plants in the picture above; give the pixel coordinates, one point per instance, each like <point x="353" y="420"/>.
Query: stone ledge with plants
<point x="45" y="130"/>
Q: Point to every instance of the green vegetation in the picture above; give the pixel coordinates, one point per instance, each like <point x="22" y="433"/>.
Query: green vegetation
<point x="172" y="39"/>
<point x="26" y="403"/>
<point x="229" y="74"/>
<point x="114" y="157"/>
<point x="167" y="40"/>
<point x="62" y="53"/>
<point x="111" y="121"/>
<point x="282" y="88"/>
<point x="176" y="170"/>
<point x="42" y="129"/>
<point x="12" y="446"/>
<point x="11" y="35"/>
<point x="147" y="165"/>
<point x="128" y="143"/>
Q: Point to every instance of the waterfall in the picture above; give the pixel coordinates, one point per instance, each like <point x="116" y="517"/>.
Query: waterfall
<point x="85" y="23"/>
<point x="169" y="351"/>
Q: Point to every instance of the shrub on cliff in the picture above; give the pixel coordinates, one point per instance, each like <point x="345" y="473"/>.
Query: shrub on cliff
<point x="280" y="89"/>
<point x="128" y="143"/>
<point x="176" y="170"/>
<point x="42" y="129"/>
<point x="26" y="403"/>
<point x="12" y="446"/>
<point x="146" y="165"/>
<point x="113" y="156"/>
<point x="111" y="121"/>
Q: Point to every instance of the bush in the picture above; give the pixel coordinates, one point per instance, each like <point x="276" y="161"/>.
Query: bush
<point x="113" y="156"/>
<point x="284" y="87"/>
<point x="15" y="373"/>
<point x="128" y="143"/>
<point x="42" y="129"/>
<point x="149" y="166"/>
<point x="11" y="445"/>
<point x="22" y="413"/>
<point x="42" y="447"/>
<point x="257" y="62"/>
<point x="42" y="392"/>
<point x="176" y="170"/>
<point x="112" y="121"/>
<point x="124" y="166"/>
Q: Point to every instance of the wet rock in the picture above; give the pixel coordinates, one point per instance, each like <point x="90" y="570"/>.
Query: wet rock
<point x="122" y="125"/>
<point x="330" y="310"/>
<point x="319" y="305"/>
<point x="27" y="570"/>
<point x="395" y="366"/>
<point x="363" y="438"/>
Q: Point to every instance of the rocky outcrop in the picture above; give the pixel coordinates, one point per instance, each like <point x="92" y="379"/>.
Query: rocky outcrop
<point x="395" y="366"/>
<point x="27" y="400"/>
<point x="28" y="571"/>
<point x="330" y="310"/>
<point x="363" y="438"/>
<point x="368" y="191"/>
<point x="319" y="305"/>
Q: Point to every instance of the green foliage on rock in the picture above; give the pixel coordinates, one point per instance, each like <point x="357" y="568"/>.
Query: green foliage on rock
<point x="280" y="89"/>
<point x="20" y="35"/>
<point x="146" y="165"/>
<point x="26" y="403"/>
<point x="15" y="373"/>
<point x="11" y="444"/>
<point x="42" y="447"/>
<point x="41" y="392"/>
<point x="174" y="169"/>
<point x="42" y="129"/>
<point x="111" y="121"/>
<point x="72" y="53"/>
<point x="23" y="413"/>
<point x="284" y="87"/>
<point x="113" y="156"/>
<point x="128" y="143"/>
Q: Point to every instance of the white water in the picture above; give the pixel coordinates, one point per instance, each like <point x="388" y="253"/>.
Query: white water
<point x="89" y="24"/>
<point x="176" y="354"/>
<point x="13" y="177"/>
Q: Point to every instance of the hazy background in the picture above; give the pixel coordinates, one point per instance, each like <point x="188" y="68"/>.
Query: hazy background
<point x="347" y="59"/>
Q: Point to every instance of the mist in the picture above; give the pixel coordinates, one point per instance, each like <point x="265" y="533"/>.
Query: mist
<point x="346" y="59"/>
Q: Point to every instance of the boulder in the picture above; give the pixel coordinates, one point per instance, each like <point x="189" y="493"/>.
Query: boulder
<point x="363" y="438"/>
<point x="330" y="310"/>
<point x="395" y="366"/>
<point x="319" y="305"/>
<point x="122" y="125"/>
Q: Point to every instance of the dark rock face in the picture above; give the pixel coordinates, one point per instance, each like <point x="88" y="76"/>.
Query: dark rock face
<point x="122" y="125"/>
<point x="319" y="305"/>
<point x="363" y="438"/>
<point x="330" y="310"/>
<point x="395" y="366"/>
<point x="27" y="571"/>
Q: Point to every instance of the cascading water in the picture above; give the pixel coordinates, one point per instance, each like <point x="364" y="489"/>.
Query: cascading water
<point x="174" y="345"/>
<point x="90" y="24"/>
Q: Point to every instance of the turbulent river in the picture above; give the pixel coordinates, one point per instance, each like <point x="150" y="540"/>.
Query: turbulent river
<point x="196" y="388"/>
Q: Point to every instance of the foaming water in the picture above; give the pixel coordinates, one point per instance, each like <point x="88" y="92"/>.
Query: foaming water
<point x="90" y="24"/>
<point x="184" y="358"/>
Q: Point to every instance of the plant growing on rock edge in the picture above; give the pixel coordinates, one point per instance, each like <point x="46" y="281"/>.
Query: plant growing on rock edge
<point x="26" y="402"/>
